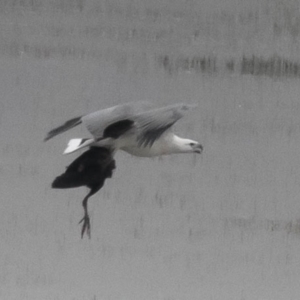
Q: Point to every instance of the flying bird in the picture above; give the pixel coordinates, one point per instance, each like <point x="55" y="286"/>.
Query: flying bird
<point x="134" y="127"/>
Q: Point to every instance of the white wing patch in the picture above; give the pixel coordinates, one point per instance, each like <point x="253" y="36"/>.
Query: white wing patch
<point x="76" y="144"/>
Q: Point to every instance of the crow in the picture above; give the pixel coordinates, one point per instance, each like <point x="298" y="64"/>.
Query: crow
<point x="90" y="169"/>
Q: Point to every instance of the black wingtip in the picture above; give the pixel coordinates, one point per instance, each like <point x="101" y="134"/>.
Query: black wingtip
<point x="47" y="138"/>
<point x="66" y="126"/>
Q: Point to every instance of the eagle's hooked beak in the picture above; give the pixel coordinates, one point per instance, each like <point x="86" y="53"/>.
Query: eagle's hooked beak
<point x="198" y="148"/>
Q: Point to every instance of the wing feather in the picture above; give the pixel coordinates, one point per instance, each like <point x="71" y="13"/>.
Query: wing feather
<point x="153" y="124"/>
<point x="97" y="122"/>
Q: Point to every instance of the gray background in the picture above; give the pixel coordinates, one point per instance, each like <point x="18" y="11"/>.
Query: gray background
<point x="224" y="225"/>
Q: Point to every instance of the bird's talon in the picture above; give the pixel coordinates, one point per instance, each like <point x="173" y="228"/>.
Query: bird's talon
<point x="86" y="226"/>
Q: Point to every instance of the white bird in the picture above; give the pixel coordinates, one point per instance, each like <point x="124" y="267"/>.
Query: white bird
<point x="134" y="128"/>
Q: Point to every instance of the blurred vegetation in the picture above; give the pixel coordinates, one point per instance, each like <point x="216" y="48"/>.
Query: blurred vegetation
<point x="272" y="67"/>
<point x="245" y="37"/>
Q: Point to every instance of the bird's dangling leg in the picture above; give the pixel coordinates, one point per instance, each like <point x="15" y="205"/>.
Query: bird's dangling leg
<point x="86" y="226"/>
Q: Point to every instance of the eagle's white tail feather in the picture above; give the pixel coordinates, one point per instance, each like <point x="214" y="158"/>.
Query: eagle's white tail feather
<point x="76" y="144"/>
<point x="79" y="143"/>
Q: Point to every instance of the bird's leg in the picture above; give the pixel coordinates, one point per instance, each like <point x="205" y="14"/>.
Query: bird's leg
<point x="86" y="226"/>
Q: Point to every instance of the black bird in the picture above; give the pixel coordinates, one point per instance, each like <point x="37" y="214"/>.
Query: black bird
<point x="90" y="169"/>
